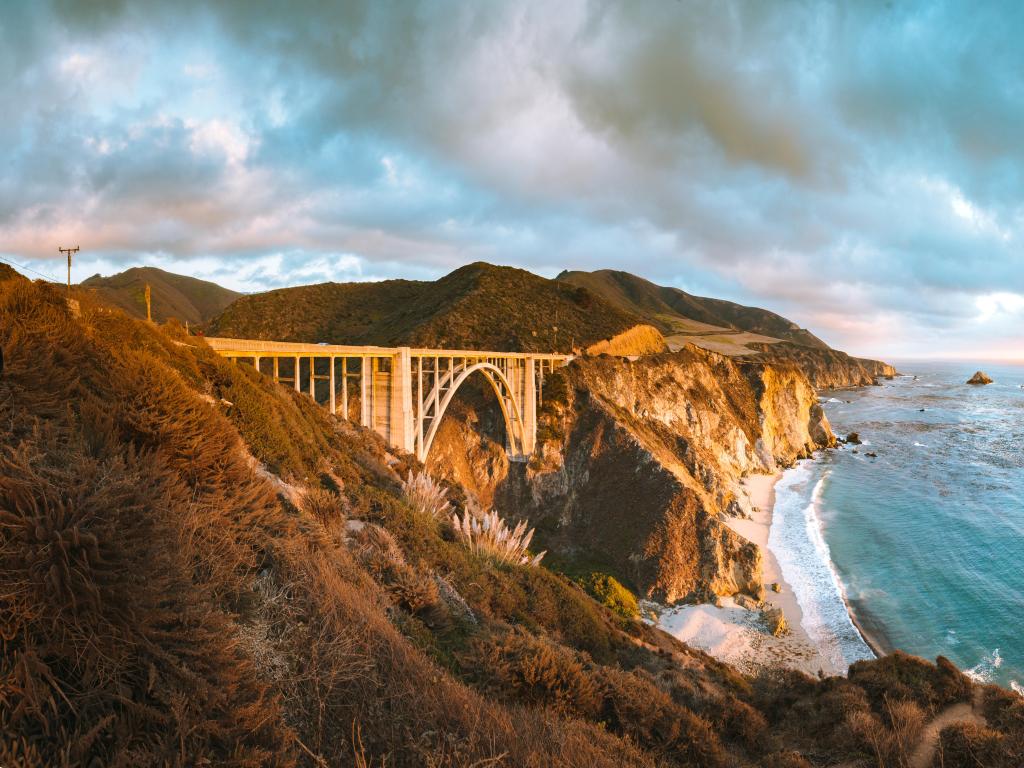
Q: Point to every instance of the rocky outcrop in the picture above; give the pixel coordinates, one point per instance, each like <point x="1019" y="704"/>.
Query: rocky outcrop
<point x="827" y="368"/>
<point x="638" y="340"/>
<point x="979" y="377"/>
<point x="640" y="460"/>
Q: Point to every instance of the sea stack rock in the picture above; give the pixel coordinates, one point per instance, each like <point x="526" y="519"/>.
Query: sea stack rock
<point x="979" y="377"/>
<point x="853" y="438"/>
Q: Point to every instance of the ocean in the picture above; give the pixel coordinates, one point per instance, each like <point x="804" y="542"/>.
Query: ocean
<point x="925" y="542"/>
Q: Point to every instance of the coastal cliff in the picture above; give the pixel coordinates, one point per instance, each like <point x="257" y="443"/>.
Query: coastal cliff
<point x="827" y="368"/>
<point x="639" y="460"/>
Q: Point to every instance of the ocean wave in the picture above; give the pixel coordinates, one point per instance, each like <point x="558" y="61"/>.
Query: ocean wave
<point x="1017" y="687"/>
<point x="796" y="538"/>
<point x="984" y="670"/>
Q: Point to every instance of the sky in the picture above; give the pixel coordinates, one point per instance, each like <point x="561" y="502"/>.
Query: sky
<point x="856" y="167"/>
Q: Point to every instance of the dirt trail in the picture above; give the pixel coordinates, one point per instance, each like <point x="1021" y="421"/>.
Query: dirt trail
<point x="955" y="713"/>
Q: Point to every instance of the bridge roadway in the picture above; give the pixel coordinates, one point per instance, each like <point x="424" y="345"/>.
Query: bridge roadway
<point x="403" y="392"/>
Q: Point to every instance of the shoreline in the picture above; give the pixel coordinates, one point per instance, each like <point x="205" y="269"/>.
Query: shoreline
<point x="876" y="645"/>
<point x="737" y="635"/>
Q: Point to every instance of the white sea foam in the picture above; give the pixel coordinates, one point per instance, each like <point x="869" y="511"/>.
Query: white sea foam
<point x="983" y="671"/>
<point x="803" y="554"/>
<point x="920" y="445"/>
<point x="1017" y="687"/>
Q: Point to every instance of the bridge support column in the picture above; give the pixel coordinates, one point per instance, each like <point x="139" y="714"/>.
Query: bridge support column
<point x="344" y="387"/>
<point x="366" y="392"/>
<point x="331" y="380"/>
<point x="529" y="407"/>
<point x="297" y="387"/>
<point x="402" y="426"/>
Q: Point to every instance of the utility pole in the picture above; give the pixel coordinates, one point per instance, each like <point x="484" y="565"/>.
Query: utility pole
<point x="68" y="251"/>
<point x="149" y="313"/>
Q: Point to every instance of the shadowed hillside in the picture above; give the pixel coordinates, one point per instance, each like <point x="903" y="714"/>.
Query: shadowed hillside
<point x="477" y="306"/>
<point x="7" y="272"/>
<point x="676" y="312"/>
<point x="183" y="298"/>
<point x="199" y="567"/>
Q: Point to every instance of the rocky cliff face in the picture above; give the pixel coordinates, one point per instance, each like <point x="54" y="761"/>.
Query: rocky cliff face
<point x="828" y="368"/>
<point x="640" y="459"/>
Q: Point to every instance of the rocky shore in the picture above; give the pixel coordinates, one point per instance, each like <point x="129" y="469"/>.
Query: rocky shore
<point x="736" y="632"/>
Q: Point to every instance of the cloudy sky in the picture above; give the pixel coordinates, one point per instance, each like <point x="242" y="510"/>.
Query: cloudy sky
<point x="858" y="167"/>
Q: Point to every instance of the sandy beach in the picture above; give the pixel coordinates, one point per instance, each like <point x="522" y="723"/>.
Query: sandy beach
<point x="737" y="635"/>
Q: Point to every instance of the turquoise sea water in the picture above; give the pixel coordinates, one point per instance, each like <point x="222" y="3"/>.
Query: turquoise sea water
<point x="926" y="541"/>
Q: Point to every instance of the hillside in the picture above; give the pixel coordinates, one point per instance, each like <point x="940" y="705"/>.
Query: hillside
<point x="7" y="272"/>
<point x="183" y="298"/>
<point x="198" y="567"/>
<point x="477" y="306"/>
<point x="679" y="313"/>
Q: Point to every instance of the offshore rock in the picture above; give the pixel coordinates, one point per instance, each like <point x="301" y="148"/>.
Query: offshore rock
<point x="979" y="377"/>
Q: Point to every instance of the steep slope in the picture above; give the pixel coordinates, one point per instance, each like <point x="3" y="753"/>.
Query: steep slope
<point x="639" y="460"/>
<point x="7" y="272"/>
<point x="183" y="298"/>
<point x="827" y="368"/>
<point x="199" y="567"/>
<point x="477" y="306"/>
<point x="675" y="311"/>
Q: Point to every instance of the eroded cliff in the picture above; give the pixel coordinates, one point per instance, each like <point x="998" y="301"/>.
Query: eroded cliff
<point x="639" y="460"/>
<point x="828" y="368"/>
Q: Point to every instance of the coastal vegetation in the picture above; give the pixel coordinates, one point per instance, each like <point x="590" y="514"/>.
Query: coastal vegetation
<point x="200" y="567"/>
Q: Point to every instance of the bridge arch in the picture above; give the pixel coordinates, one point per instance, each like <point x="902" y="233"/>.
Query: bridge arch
<point x="393" y="384"/>
<point x="511" y="409"/>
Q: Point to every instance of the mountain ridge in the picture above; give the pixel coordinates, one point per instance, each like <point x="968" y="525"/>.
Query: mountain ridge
<point x="479" y="306"/>
<point x="664" y="306"/>
<point x="185" y="298"/>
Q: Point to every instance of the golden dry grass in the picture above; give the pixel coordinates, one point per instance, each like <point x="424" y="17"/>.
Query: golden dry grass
<point x="178" y="589"/>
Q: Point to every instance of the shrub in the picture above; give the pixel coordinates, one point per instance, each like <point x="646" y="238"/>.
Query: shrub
<point x="424" y="494"/>
<point x="324" y="505"/>
<point x="636" y="707"/>
<point x="490" y="535"/>
<point x="966" y="745"/>
<point x="380" y="554"/>
<point x="1004" y="710"/>
<point x="902" y="676"/>
<point x="611" y="594"/>
<point x="529" y="669"/>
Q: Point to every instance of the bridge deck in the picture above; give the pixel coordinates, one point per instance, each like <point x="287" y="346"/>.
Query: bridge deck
<point x="247" y="347"/>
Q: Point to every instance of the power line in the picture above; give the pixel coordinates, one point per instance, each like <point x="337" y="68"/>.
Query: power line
<point x="13" y="263"/>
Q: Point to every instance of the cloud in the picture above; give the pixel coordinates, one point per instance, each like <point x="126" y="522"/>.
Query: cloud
<point x="856" y="167"/>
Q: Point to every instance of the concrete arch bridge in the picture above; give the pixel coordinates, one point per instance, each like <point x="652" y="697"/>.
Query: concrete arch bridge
<point x="403" y="392"/>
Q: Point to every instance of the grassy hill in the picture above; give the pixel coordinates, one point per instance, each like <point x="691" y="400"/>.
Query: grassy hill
<point x="7" y="272"/>
<point x="476" y="306"/>
<point x="680" y="314"/>
<point x="200" y="567"/>
<point x="183" y="298"/>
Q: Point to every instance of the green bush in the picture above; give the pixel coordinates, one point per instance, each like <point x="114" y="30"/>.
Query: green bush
<point x="611" y="594"/>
